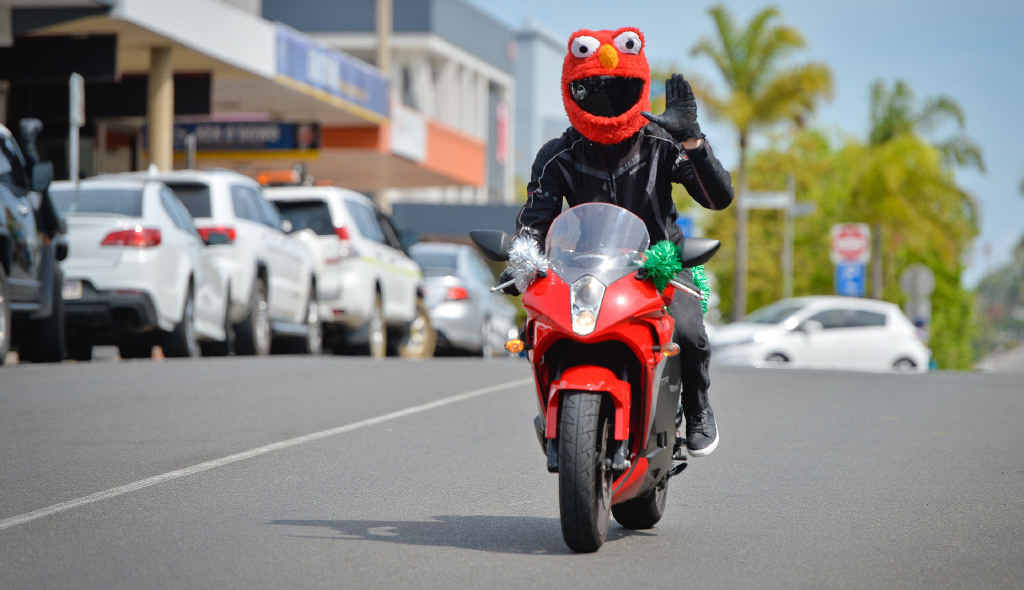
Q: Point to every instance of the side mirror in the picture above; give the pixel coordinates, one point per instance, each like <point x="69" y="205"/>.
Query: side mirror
<point x="61" y="248"/>
<point x="697" y="251"/>
<point x="286" y="226"/>
<point x="407" y="239"/>
<point x="495" y="244"/>
<point x="216" y="238"/>
<point x="42" y="176"/>
<point x="810" y="327"/>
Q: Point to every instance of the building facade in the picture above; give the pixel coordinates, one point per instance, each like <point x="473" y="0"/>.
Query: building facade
<point x="540" y="115"/>
<point x="450" y="63"/>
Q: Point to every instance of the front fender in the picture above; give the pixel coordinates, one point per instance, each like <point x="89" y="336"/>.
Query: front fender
<point x="594" y="379"/>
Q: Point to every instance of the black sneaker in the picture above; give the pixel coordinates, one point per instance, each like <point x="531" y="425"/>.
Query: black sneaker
<point x="701" y="433"/>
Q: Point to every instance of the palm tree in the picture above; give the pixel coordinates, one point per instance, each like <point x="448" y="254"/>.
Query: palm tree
<point x="893" y="115"/>
<point x="761" y="92"/>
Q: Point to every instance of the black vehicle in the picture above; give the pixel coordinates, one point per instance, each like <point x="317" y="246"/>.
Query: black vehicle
<point x="31" y="247"/>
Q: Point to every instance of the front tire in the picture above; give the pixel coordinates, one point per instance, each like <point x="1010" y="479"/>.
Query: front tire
<point x="377" y="331"/>
<point x="5" y="318"/>
<point x="420" y="339"/>
<point x="227" y="346"/>
<point x="643" y="512"/>
<point x="48" y="336"/>
<point x="253" y="333"/>
<point x="584" y="473"/>
<point x="182" y="341"/>
<point x="313" y="342"/>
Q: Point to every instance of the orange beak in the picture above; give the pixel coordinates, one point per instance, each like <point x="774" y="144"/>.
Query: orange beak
<point x="608" y="56"/>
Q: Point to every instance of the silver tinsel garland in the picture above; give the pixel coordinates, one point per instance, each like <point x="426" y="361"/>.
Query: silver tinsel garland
<point x="526" y="261"/>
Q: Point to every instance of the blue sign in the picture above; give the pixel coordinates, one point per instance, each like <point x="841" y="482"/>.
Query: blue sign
<point x="248" y="135"/>
<point x="685" y="223"/>
<point x="342" y="76"/>
<point x="850" y="279"/>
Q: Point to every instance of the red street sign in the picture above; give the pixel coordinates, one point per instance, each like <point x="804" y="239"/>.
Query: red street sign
<point x="851" y="242"/>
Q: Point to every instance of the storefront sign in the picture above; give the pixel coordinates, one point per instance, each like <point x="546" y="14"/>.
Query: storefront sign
<point x="361" y="86"/>
<point x="245" y="136"/>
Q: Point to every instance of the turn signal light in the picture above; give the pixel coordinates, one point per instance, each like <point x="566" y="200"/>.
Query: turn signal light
<point x="137" y="237"/>
<point x="515" y="345"/>
<point x="457" y="294"/>
<point x="670" y="349"/>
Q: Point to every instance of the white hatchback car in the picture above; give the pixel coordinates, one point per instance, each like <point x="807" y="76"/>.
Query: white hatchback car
<point x="824" y="332"/>
<point x="272" y="281"/>
<point x="137" y="273"/>
<point x="369" y="289"/>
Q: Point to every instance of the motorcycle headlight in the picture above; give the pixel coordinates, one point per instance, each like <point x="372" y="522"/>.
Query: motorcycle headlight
<point x="585" y="299"/>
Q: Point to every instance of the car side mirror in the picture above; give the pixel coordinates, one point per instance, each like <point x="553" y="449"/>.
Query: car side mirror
<point x="810" y="327"/>
<point x="407" y="239"/>
<point x="494" y="244"/>
<point x="286" y="226"/>
<point x="61" y="248"/>
<point x="42" y="176"/>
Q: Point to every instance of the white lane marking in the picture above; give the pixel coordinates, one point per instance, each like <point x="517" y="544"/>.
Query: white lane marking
<point x="14" y="521"/>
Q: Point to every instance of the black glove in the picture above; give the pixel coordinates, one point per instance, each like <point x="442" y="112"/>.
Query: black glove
<point x="680" y="116"/>
<point x="505" y="277"/>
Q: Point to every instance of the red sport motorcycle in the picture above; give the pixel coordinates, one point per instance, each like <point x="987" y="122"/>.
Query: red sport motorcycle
<point x="599" y="336"/>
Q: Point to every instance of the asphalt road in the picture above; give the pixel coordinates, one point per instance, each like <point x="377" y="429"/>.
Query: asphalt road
<point x="835" y="480"/>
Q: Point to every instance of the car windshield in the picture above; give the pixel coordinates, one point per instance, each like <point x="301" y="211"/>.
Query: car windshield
<point x="195" y="196"/>
<point x="98" y="201"/>
<point x="597" y="239"/>
<point x="775" y="313"/>
<point x="312" y="215"/>
<point x="436" y="264"/>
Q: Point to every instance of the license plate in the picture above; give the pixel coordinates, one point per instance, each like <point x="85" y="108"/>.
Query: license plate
<point x="72" y="290"/>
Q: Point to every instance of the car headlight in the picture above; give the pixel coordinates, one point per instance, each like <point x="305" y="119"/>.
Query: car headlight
<point x="585" y="300"/>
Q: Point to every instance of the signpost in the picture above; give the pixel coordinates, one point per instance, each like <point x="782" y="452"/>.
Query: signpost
<point x="76" y="116"/>
<point x="918" y="282"/>
<point x="786" y="201"/>
<point x="851" y="249"/>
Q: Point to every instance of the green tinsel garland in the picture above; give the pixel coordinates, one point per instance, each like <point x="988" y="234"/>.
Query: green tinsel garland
<point x="700" y="278"/>
<point x="663" y="262"/>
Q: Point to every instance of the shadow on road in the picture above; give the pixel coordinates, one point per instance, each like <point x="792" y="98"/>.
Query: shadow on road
<point x="497" y="534"/>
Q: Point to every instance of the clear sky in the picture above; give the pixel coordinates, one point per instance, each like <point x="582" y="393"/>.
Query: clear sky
<point x="972" y="51"/>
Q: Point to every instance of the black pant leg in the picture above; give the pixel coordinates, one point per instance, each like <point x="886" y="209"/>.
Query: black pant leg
<point x="695" y="351"/>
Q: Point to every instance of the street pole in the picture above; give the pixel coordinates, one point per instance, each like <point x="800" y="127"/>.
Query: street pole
<point x="787" y="244"/>
<point x="191" y="146"/>
<point x="76" y="118"/>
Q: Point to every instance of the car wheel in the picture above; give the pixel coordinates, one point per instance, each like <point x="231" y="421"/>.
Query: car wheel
<point x="5" y="318"/>
<point x="79" y="346"/>
<point x="48" y="337"/>
<point x="904" y="365"/>
<point x="487" y="349"/>
<point x="313" y="342"/>
<point x="226" y="346"/>
<point x="183" y="341"/>
<point x="776" y="359"/>
<point x="420" y="339"/>
<point x="253" y="333"/>
<point x="377" y="331"/>
<point x="135" y="346"/>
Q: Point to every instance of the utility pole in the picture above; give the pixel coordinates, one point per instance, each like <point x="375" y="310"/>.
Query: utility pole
<point x="385" y="22"/>
<point x="787" y="243"/>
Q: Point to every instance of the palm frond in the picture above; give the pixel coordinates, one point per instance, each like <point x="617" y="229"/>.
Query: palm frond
<point x="938" y="109"/>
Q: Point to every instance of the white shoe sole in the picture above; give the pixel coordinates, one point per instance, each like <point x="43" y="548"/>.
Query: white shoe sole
<point x="706" y="450"/>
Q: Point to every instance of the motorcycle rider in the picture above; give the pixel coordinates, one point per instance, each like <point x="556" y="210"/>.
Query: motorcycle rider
<point x="615" y="152"/>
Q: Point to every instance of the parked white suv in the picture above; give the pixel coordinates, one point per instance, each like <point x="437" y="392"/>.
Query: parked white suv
<point x="138" y="273"/>
<point x="369" y="289"/>
<point x="272" y="283"/>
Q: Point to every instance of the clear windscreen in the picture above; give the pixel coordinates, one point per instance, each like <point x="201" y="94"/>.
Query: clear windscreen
<point x="597" y="239"/>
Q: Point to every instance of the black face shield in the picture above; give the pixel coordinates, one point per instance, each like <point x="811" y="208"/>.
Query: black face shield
<point x="606" y="96"/>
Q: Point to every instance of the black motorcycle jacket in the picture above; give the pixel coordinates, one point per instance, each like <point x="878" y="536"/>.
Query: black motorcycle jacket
<point x="636" y="174"/>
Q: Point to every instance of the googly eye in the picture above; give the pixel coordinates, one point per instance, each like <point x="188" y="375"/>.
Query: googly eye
<point x="628" y="42"/>
<point x="584" y="46"/>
